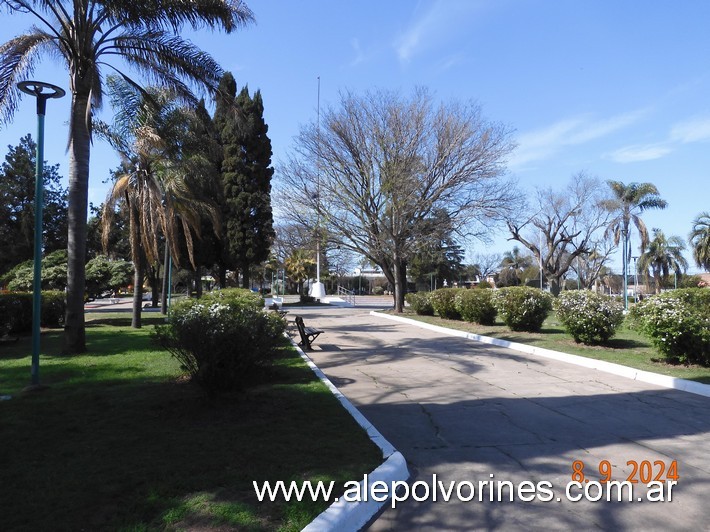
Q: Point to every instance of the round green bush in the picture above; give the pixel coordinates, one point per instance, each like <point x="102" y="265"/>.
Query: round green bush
<point x="476" y="306"/>
<point x="16" y="311"/>
<point x="420" y="303"/>
<point x="54" y="307"/>
<point x="522" y="308"/>
<point x="589" y="317"/>
<point x="444" y="302"/>
<point x="678" y="322"/>
<point x="224" y="340"/>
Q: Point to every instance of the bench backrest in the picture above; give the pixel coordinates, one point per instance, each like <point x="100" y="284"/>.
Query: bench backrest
<point x="301" y="330"/>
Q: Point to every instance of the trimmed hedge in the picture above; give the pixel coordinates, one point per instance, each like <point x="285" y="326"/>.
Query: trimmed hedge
<point x="16" y="311"/>
<point x="522" y="308"/>
<point x="444" y="302"/>
<point x="678" y="322"/>
<point x="476" y="306"/>
<point x="224" y="340"/>
<point x="589" y="317"/>
<point x="420" y="303"/>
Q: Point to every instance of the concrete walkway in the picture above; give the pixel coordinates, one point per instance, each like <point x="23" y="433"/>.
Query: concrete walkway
<point x="465" y="411"/>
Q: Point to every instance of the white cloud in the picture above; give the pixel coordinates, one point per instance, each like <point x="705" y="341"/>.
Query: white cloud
<point x="693" y="130"/>
<point x="640" y="152"/>
<point x="548" y="141"/>
<point x="601" y="128"/>
<point x="451" y="62"/>
<point x="359" y="53"/>
<point x="686" y="132"/>
<point x="439" y="21"/>
<point x="542" y="143"/>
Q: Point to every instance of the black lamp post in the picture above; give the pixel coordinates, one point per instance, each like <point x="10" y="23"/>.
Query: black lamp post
<point x="42" y="92"/>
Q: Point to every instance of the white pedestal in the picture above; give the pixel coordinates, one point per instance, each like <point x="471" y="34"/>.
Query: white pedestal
<point x="317" y="290"/>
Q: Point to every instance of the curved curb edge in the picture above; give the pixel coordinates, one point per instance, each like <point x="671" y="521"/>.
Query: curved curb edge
<point x="344" y="515"/>
<point x="665" y="381"/>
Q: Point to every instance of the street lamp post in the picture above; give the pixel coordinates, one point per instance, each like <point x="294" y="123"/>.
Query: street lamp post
<point x="636" y="271"/>
<point x="317" y="290"/>
<point x="42" y="92"/>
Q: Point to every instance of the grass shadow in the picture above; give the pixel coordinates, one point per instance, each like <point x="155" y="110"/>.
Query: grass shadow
<point x="626" y="343"/>
<point x="122" y="446"/>
<point x="125" y="321"/>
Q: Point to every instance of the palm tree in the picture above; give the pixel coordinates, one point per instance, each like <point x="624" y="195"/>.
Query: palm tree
<point x="513" y="265"/>
<point x="662" y="256"/>
<point x="628" y="203"/>
<point x="700" y="240"/>
<point x="86" y="35"/>
<point x="300" y="266"/>
<point x="161" y="177"/>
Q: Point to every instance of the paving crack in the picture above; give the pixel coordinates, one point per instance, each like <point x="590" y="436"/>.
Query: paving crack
<point x="430" y="418"/>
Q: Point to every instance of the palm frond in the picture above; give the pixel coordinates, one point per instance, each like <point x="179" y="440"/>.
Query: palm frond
<point x="174" y="14"/>
<point x="700" y="240"/>
<point x="166" y="59"/>
<point x="18" y="59"/>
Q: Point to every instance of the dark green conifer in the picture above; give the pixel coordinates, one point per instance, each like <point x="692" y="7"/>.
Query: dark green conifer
<point x="246" y="177"/>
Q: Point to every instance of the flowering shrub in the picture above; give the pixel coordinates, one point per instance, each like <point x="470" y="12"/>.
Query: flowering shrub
<point x="678" y="322"/>
<point x="444" y="302"/>
<point x="589" y="317"/>
<point x="420" y="303"/>
<point x="476" y="306"/>
<point x="224" y="340"/>
<point x="522" y="308"/>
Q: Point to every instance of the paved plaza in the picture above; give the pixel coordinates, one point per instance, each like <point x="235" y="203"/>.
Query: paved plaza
<point x="464" y="411"/>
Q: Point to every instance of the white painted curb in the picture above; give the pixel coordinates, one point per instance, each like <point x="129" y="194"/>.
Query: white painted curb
<point x="343" y="515"/>
<point x="600" y="365"/>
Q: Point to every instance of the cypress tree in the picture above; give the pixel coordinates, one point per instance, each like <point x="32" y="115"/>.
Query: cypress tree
<point x="246" y="177"/>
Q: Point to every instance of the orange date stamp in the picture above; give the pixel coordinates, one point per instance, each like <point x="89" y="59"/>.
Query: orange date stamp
<point x="644" y="471"/>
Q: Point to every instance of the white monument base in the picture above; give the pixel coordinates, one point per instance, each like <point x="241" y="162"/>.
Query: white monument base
<point x="317" y="290"/>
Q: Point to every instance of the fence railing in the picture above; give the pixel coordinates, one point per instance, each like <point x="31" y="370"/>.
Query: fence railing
<point x="346" y="295"/>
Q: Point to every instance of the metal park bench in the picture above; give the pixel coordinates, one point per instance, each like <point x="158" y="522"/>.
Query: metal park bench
<point x="308" y="334"/>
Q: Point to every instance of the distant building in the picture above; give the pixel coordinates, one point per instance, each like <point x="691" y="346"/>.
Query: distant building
<point x="368" y="273"/>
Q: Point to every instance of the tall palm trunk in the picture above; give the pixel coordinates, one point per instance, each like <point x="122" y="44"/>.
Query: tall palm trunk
<point x="79" y="154"/>
<point x="138" y="263"/>
<point x="164" y="291"/>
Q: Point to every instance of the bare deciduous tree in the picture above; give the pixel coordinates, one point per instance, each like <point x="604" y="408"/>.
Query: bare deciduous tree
<point x="379" y="165"/>
<point x="562" y="226"/>
<point x="488" y="263"/>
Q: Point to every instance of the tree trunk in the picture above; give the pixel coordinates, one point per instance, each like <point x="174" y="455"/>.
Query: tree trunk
<point x="554" y="285"/>
<point x="154" y="282"/>
<point x="246" y="280"/>
<point x="164" y="294"/>
<point x="138" y="292"/>
<point x="79" y="154"/>
<point x="222" y="276"/>
<point x="198" y="281"/>
<point x="400" y="284"/>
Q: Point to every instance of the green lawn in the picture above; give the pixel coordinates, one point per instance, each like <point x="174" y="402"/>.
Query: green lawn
<point x="120" y="441"/>
<point x="628" y="347"/>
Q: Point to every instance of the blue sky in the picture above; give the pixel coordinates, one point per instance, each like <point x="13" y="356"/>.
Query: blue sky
<point x="618" y="89"/>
